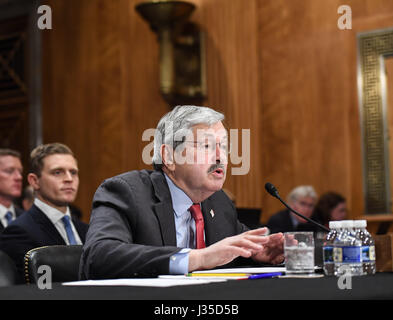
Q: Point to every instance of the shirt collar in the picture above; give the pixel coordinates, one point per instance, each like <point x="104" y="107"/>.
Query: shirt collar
<point x="53" y="214"/>
<point x="4" y="210"/>
<point x="180" y="201"/>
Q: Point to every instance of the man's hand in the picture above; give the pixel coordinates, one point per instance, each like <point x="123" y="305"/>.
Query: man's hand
<point x="249" y="244"/>
<point x="273" y="250"/>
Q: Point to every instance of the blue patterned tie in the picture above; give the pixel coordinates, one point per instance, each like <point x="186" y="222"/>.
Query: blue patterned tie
<point x="8" y="216"/>
<point x="68" y="228"/>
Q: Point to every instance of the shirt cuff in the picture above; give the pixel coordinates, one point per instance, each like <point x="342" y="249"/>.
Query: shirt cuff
<point x="178" y="263"/>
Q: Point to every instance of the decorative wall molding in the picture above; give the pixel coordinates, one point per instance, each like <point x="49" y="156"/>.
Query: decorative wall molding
<point x="373" y="47"/>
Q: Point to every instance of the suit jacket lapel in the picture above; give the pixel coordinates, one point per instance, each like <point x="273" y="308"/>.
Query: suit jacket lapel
<point x="46" y="225"/>
<point x="211" y="228"/>
<point x="164" y="209"/>
<point x="18" y="211"/>
<point x="81" y="228"/>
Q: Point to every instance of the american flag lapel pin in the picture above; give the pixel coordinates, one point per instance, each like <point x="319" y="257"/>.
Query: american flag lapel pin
<point x="212" y="213"/>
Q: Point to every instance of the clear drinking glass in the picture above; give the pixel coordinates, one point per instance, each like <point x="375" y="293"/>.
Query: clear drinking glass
<point x="299" y="252"/>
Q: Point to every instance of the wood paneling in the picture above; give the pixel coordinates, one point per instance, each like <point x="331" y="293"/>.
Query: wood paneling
<point x="280" y="68"/>
<point x="310" y="102"/>
<point x="233" y="83"/>
<point x="100" y="87"/>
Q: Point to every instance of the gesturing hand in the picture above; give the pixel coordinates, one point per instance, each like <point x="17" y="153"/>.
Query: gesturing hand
<point x="251" y="243"/>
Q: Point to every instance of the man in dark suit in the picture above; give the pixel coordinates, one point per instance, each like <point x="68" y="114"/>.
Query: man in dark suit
<point x="302" y="199"/>
<point x="55" y="180"/>
<point x="10" y="186"/>
<point x="175" y="219"/>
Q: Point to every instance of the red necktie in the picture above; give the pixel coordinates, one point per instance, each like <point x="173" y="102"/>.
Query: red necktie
<point x="196" y="213"/>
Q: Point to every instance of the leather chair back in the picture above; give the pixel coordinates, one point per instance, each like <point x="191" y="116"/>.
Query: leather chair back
<point x="63" y="262"/>
<point x="8" y="272"/>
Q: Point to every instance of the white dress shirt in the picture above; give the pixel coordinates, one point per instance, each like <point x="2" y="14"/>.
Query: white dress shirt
<point x="3" y="212"/>
<point x="55" y="217"/>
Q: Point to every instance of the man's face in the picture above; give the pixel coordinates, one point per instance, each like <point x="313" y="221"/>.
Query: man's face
<point x="10" y="177"/>
<point x="59" y="180"/>
<point x="201" y="161"/>
<point x="305" y="206"/>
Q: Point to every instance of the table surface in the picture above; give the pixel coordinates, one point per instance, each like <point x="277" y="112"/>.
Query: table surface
<point x="379" y="286"/>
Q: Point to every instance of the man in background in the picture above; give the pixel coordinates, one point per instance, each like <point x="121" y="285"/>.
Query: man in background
<point x="55" y="180"/>
<point x="302" y="199"/>
<point x="10" y="186"/>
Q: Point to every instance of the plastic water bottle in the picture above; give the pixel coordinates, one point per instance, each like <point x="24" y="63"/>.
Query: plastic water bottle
<point x="347" y="251"/>
<point x="368" y="246"/>
<point x="328" y="262"/>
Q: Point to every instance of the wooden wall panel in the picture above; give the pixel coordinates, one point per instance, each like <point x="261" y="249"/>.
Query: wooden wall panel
<point x="309" y="98"/>
<point x="233" y="83"/>
<point x="279" y="68"/>
<point x="100" y="87"/>
<point x="304" y="98"/>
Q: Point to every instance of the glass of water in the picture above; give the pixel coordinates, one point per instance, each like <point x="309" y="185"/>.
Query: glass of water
<point x="299" y="252"/>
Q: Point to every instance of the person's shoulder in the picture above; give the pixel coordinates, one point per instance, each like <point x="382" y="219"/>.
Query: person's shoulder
<point x="21" y="225"/>
<point x="136" y="182"/>
<point x="26" y="218"/>
<point x="131" y="176"/>
<point x="282" y="214"/>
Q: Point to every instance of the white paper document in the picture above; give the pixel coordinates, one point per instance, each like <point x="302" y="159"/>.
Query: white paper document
<point x="144" y="282"/>
<point x="256" y="270"/>
<point x="179" y="280"/>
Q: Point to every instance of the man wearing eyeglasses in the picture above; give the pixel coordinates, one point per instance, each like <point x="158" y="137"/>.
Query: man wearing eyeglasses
<point x="174" y="219"/>
<point x="302" y="199"/>
<point x="10" y="186"/>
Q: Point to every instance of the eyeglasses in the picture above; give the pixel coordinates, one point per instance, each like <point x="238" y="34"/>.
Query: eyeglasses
<point x="209" y="146"/>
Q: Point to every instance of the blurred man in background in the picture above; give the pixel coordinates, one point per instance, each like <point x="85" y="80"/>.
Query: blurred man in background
<point x="10" y="186"/>
<point x="302" y="199"/>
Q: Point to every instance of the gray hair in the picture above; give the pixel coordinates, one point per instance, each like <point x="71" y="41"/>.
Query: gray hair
<point x="174" y="126"/>
<point x="302" y="192"/>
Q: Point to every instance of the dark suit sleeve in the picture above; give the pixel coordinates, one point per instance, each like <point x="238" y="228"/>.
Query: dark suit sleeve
<point x="16" y="242"/>
<point x="111" y="249"/>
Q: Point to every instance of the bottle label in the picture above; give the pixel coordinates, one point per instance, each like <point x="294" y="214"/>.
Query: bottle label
<point x="328" y="254"/>
<point x="368" y="253"/>
<point x="372" y="253"/>
<point x="337" y="254"/>
<point x="347" y="254"/>
<point x="352" y="254"/>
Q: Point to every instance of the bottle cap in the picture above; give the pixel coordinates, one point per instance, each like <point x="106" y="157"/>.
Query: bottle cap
<point x="334" y="224"/>
<point x="338" y="224"/>
<point x="347" y="224"/>
<point x="360" y="223"/>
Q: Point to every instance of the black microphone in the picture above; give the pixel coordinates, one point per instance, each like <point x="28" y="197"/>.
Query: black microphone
<point x="272" y="190"/>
